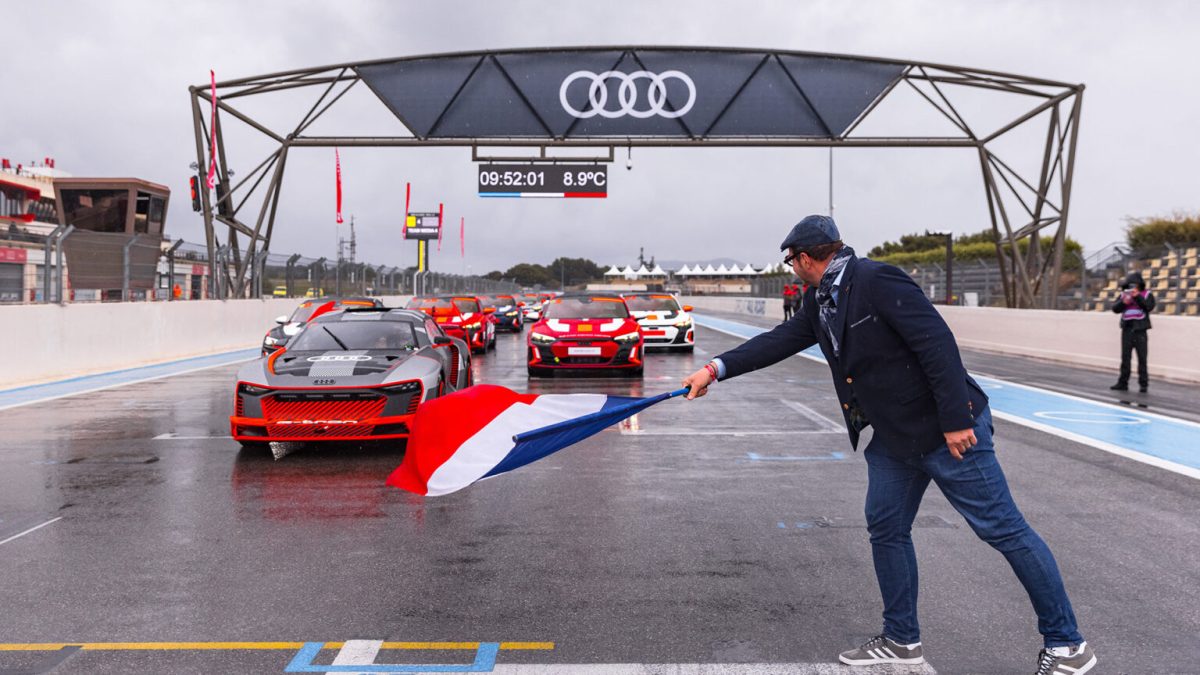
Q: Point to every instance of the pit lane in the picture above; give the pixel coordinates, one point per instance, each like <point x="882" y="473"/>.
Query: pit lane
<point x="726" y="531"/>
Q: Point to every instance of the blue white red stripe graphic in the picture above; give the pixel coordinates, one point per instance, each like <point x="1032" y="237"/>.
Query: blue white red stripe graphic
<point x="559" y="195"/>
<point x="486" y="430"/>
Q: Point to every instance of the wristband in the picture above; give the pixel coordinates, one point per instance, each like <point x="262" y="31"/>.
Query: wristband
<point x="712" y="371"/>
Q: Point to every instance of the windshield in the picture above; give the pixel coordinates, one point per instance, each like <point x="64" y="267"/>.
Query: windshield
<point x="465" y="305"/>
<point x="498" y="300"/>
<point x="586" y="308"/>
<point x="651" y="303"/>
<point x="345" y="335"/>
<point x="429" y="303"/>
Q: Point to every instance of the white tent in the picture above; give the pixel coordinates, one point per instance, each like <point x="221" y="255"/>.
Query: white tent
<point x="683" y="271"/>
<point x="708" y="270"/>
<point x="642" y="271"/>
<point x="658" y="271"/>
<point x="722" y="270"/>
<point x="613" y="272"/>
<point x="628" y="273"/>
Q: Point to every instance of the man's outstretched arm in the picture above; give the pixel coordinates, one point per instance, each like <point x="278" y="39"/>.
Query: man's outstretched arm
<point x="791" y="336"/>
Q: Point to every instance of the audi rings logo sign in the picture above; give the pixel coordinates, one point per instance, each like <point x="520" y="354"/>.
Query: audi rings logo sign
<point x="627" y="94"/>
<point x="338" y="358"/>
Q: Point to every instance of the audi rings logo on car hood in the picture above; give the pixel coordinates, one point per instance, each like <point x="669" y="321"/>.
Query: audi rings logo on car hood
<point x="338" y="358"/>
<point x="627" y="94"/>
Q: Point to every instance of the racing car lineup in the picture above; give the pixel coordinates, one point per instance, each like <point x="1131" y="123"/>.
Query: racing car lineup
<point x="350" y="369"/>
<point x="357" y="374"/>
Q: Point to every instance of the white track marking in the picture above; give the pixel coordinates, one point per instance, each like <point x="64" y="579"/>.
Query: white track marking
<point x="357" y="653"/>
<point x="32" y="529"/>
<point x="821" y="420"/>
<point x="121" y="384"/>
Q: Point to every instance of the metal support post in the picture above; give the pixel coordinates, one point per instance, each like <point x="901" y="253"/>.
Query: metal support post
<point x="171" y="269"/>
<point x="125" y="268"/>
<point x="290" y="273"/>
<point x="59" y="264"/>
<point x="46" y="278"/>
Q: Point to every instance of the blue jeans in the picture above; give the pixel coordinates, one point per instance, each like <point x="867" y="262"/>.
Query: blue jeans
<point x="976" y="489"/>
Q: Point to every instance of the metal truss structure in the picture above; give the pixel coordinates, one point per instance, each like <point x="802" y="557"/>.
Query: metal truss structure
<point x="1021" y="206"/>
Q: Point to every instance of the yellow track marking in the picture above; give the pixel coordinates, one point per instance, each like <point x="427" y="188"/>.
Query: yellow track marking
<point x="232" y="646"/>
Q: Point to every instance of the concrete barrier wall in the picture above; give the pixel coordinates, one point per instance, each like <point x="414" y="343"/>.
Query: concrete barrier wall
<point x="1090" y="339"/>
<point x="42" y="343"/>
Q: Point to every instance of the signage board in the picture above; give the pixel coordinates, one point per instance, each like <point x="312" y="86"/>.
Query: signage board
<point x="13" y="255"/>
<point x="421" y="226"/>
<point x="543" y="180"/>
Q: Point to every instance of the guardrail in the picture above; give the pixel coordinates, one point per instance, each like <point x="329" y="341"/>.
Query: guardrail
<point x="1087" y="339"/>
<point x="44" y="343"/>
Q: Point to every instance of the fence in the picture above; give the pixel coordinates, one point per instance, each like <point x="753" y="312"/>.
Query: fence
<point x="70" y="265"/>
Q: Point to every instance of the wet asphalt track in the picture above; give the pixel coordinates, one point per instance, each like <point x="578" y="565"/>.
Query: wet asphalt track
<point x="728" y="530"/>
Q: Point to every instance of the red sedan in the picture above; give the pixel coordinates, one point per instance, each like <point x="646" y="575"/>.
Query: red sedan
<point x="592" y="331"/>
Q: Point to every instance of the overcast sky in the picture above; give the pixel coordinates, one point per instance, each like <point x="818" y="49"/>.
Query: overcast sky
<point x="102" y="87"/>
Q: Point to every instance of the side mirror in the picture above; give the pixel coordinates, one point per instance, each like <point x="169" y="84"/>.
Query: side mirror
<point x="687" y="308"/>
<point x="489" y="310"/>
<point x="281" y="319"/>
<point x="442" y="340"/>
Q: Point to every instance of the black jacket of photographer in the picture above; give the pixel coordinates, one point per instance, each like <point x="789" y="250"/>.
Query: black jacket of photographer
<point x="1145" y="303"/>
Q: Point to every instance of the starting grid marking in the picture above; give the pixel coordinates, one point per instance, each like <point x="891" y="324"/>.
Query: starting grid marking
<point x="359" y="656"/>
<point x="1146" y="437"/>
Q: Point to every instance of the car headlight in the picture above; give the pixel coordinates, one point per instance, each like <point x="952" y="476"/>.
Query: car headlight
<point x="685" y="322"/>
<point x="541" y="339"/>
<point x="270" y="341"/>
<point x="472" y="326"/>
<point x="628" y="337"/>
<point x="404" y="387"/>
<point x="252" y="390"/>
<point x="510" y="313"/>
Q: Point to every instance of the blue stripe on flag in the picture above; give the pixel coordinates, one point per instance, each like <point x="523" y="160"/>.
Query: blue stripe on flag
<point x="538" y="443"/>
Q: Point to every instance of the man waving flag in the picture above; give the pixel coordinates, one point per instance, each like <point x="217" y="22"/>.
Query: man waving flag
<point x="486" y="430"/>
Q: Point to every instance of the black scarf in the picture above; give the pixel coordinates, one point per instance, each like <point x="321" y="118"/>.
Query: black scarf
<point x="827" y="308"/>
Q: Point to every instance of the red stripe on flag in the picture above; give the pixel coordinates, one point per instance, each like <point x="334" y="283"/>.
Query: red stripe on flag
<point x="443" y="425"/>
<point x="439" y="227"/>
<point x="407" y="196"/>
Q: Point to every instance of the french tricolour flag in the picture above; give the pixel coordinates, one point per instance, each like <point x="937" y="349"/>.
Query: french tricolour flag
<point x="486" y="430"/>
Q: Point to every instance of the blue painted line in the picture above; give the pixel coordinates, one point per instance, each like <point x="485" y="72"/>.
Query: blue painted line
<point x="831" y="457"/>
<point x="35" y="393"/>
<point x="499" y="194"/>
<point x="302" y="662"/>
<point x="1146" y="437"/>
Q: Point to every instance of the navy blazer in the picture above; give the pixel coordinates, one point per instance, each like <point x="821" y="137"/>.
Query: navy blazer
<point x="899" y="362"/>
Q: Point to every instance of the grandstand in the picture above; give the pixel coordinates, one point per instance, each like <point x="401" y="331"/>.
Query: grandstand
<point x="1171" y="273"/>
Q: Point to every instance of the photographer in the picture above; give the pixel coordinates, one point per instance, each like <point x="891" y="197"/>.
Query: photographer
<point x="1134" y="305"/>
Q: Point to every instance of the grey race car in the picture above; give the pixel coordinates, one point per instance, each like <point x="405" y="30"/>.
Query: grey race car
<point x="352" y="375"/>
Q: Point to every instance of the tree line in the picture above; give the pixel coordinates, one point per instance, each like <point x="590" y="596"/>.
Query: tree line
<point x="560" y="272"/>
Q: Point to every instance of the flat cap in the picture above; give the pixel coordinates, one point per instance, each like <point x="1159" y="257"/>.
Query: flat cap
<point x="812" y="231"/>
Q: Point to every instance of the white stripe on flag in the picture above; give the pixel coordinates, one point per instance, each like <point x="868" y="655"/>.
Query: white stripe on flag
<point x="491" y="444"/>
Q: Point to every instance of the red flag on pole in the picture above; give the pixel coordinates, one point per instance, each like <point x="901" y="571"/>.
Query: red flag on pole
<point x="439" y="227"/>
<point x="337" y="158"/>
<point x="462" y="236"/>
<point x="407" y="196"/>
<point x="212" y="153"/>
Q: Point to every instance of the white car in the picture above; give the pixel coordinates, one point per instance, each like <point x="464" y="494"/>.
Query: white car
<point x="663" y="322"/>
